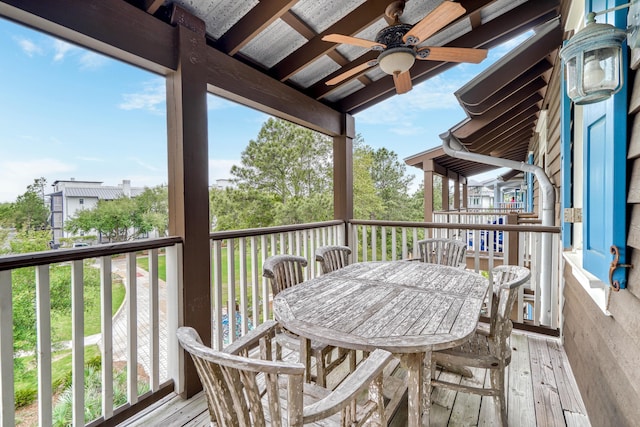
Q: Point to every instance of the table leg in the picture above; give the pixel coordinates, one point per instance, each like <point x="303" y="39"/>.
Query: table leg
<point x="418" y="413"/>
<point x="426" y="388"/>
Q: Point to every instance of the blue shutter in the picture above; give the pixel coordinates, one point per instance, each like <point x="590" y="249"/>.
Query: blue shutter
<point x="605" y="147"/>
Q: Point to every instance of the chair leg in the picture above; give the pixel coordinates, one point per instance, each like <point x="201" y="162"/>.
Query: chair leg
<point x="352" y="361"/>
<point x="321" y="371"/>
<point x="497" y="383"/>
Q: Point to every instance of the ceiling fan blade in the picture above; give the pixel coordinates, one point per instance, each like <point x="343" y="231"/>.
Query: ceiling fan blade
<point x="352" y="72"/>
<point x="437" y="19"/>
<point x="339" y="38"/>
<point x="452" y="54"/>
<point x="402" y="81"/>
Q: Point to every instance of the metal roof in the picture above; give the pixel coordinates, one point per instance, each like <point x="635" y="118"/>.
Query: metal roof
<point x="282" y="38"/>
<point x="102" y="193"/>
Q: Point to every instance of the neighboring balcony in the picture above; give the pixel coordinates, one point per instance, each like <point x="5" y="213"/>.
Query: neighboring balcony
<point x="140" y="338"/>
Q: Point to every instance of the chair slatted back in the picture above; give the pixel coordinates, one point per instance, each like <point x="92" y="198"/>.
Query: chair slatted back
<point x="506" y="281"/>
<point x="332" y="258"/>
<point x="230" y="383"/>
<point x="443" y="251"/>
<point x="284" y="271"/>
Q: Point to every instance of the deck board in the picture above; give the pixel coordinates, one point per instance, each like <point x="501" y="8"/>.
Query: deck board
<point x="541" y="392"/>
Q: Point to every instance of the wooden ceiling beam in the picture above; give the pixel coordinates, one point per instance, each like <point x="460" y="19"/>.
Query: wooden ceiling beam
<point x="495" y="32"/>
<point x="307" y="32"/>
<point x="360" y="18"/>
<point x="242" y="83"/>
<point x="112" y="27"/>
<point x="253" y="23"/>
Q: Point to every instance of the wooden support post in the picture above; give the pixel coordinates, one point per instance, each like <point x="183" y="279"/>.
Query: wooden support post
<point x="465" y="196"/>
<point x="428" y="196"/>
<point x="188" y="178"/>
<point x="514" y="239"/>
<point x="456" y="190"/>
<point x="445" y="193"/>
<point x="343" y="173"/>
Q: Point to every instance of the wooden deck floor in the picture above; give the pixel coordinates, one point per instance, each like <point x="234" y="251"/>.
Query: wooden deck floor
<point x="542" y="392"/>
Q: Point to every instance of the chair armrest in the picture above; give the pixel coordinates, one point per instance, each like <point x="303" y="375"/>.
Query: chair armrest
<point x="253" y="339"/>
<point x="349" y="388"/>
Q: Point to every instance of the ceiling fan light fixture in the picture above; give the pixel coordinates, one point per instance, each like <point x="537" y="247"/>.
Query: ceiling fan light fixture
<point x="397" y="60"/>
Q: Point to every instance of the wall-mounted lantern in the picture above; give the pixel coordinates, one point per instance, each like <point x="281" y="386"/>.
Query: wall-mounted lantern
<point x="593" y="57"/>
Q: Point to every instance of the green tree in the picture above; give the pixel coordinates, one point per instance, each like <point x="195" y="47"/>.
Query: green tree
<point x="239" y="208"/>
<point x="30" y="211"/>
<point x="153" y="207"/>
<point x="286" y="161"/>
<point x="367" y="204"/>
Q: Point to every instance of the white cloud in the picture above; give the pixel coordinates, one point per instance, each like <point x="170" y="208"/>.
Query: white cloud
<point x="144" y="164"/>
<point x="150" y="98"/>
<point x="61" y="49"/>
<point x="92" y="61"/>
<point x="220" y="168"/>
<point x="217" y="103"/>
<point x="17" y="175"/>
<point x="89" y="159"/>
<point x="29" y="47"/>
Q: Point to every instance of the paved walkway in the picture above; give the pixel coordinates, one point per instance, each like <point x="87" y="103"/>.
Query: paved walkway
<point x="119" y="268"/>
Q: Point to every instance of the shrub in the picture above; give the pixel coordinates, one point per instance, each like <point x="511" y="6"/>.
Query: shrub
<point x="25" y="396"/>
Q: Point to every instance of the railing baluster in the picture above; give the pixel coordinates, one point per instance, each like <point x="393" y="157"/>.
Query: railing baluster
<point x="404" y="243"/>
<point x="365" y="245"/>
<point x="355" y="243"/>
<point x="255" y="288"/>
<point x="7" y="399"/>
<point x="243" y="286"/>
<point x="265" y="284"/>
<point x="217" y="294"/>
<point x="154" y="321"/>
<point x="283" y="248"/>
<point x="414" y="249"/>
<point x="106" y="328"/>
<point x="77" y="342"/>
<point x="132" y="329"/>
<point x="394" y="244"/>
<point x="314" y="264"/>
<point x="231" y="290"/>
<point x="273" y="244"/>
<point x="43" y="325"/>
<point x="383" y="238"/>
<point x="291" y="244"/>
<point x="374" y="243"/>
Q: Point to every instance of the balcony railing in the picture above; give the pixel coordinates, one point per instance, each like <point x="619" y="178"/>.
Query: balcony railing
<point x="137" y="336"/>
<point x="140" y="335"/>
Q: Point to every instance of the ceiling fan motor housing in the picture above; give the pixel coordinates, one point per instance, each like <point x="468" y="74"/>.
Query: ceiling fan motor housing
<point x="397" y="57"/>
<point x="392" y="36"/>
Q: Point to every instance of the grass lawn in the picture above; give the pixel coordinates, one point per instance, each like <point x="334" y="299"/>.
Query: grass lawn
<point x="143" y="262"/>
<point x="61" y="324"/>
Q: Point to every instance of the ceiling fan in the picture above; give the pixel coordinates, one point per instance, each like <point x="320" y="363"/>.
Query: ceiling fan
<point x="398" y="44"/>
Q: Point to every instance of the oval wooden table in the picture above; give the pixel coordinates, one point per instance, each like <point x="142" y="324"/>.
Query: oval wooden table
<point x="407" y="308"/>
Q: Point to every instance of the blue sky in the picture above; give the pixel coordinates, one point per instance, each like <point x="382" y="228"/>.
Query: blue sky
<point x="69" y="112"/>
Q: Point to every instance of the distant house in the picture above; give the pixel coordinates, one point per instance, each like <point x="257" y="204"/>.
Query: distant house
<point x="479" y="196"/>
<point x="70" y="196"/>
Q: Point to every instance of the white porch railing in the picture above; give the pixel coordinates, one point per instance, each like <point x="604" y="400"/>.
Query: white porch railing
<point x="498" y="244"/>
<point x="137" y="335"/>
<point x="241" y="296"/>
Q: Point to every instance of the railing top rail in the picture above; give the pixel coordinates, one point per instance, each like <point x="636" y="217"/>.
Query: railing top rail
<point x="9" y="262"/>
<point x="460" y="225"/>
<point x="249" y="232"/>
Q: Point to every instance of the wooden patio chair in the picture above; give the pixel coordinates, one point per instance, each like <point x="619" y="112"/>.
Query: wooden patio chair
<point x="242" y="390"/>
<point x="443" y="251"/>
<point x="332" y="258"/>
<point x="488" y="349"/>
<point x="284" y="271"/>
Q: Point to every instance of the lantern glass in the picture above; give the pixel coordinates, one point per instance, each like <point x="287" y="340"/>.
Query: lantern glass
<point x="572" y="77"/>
<point x="601" y="70"/>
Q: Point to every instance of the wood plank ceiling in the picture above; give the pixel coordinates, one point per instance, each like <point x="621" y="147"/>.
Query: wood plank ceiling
<point x="283" y="38"/>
